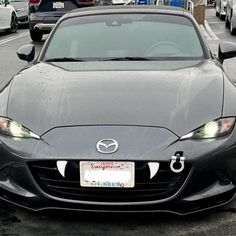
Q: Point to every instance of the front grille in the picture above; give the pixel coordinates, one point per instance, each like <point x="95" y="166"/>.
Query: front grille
<point x="163" y="185"/>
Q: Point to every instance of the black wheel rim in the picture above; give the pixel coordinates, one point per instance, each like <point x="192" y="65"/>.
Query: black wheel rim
<point x="14" y="23"/>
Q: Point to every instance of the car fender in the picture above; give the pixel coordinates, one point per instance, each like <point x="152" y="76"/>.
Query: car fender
<point x="5" y="13"/>
<point x="11" y="11"/>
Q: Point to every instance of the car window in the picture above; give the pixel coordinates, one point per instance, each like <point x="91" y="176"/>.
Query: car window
<point x="150" y="36"/>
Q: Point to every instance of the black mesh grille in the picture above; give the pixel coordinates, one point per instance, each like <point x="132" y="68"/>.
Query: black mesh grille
<point x="163" y="185"/>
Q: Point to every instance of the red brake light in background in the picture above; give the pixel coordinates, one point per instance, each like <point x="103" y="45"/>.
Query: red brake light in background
<point x="34" y="1"/>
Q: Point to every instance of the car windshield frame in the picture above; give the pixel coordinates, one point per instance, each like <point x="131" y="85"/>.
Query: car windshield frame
<point x="206" y="54"/>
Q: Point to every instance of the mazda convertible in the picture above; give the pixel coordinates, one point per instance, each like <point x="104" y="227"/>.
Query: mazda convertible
<point x="125" y="109"/>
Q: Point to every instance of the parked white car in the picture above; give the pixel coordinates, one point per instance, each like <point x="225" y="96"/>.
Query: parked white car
<point x="230" y="19"/>
<point x="8" y="17"/>
<point x="220" y="8"/>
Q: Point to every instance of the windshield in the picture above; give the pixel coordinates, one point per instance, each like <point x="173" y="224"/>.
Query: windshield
<point x="125" y="37"/>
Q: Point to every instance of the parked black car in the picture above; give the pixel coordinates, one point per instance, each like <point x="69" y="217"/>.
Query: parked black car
<point x="43" y="14"/>
<point x="125" y="109"/>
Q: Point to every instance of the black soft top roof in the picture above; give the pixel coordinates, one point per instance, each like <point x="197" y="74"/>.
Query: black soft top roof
<point x="128" y="8"/>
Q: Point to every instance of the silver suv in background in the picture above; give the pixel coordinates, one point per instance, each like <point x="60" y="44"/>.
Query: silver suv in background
<point x="220" y="8"/>
<point x="43" y="14"/>
<point x="230" y="19"/>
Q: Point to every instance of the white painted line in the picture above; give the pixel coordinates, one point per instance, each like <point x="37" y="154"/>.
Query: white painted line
<point x="209" y="30"/>
<point x="13" y="38"/>
<point x="217" y="22"/>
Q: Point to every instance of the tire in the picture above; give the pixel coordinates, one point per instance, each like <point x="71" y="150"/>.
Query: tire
<point x="227" y="23"/>
<point x="36" y="36"/>
<point x="222" y="17"/>
<point x="232" y="29"/>
<point x="14" y="24"/>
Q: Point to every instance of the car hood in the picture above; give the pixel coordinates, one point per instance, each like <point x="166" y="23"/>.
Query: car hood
<point x="179" y="96"/>
<point x="20" y="5"/>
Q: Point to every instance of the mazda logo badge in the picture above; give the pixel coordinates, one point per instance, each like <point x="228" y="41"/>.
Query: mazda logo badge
<point x="107" y="146"/>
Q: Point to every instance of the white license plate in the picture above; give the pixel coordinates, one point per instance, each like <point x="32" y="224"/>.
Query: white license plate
<point x="107" y="174"/>
<point x="58" y="5"/>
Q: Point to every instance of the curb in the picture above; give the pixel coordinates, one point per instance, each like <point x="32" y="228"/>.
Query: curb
<point x="207" y="32"/>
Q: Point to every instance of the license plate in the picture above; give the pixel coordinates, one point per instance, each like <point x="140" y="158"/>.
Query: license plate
<point x="107" y="174"/>
<point x="58" y="5"/>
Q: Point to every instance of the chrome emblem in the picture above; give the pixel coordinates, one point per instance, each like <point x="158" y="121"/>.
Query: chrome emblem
<point x="107" y="146"/>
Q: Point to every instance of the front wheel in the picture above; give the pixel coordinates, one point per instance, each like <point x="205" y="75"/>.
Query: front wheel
<point x="36" y="35"/>
<point x="222" y="17"/>
<point x="14" y="24"/>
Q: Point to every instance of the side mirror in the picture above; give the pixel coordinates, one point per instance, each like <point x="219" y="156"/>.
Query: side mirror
<point x="26" y="52"/>
<point x="226" y="50"/>
<point x="6" y="2"/>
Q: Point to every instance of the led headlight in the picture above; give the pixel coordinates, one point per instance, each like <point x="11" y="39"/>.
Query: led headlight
<point x="14" y="129"/>
<point x="212" y="129"/>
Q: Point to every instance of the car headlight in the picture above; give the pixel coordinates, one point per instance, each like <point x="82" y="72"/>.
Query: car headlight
<point x="212" y="129"/>
<point x="14" y="129"/>
<point x="19" y="10"/>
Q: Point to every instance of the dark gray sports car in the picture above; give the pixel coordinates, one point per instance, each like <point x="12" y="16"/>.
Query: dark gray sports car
<point x="124" y="110"/>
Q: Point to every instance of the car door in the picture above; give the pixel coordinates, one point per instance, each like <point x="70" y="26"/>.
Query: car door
<point x="5" y="15"/>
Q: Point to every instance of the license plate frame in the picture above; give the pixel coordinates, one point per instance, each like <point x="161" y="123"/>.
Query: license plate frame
<point x="107" y="174"/>
<point x="58" y="5"/>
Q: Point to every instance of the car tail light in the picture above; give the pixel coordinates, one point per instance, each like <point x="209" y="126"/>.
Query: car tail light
<point x="34" y="1"/>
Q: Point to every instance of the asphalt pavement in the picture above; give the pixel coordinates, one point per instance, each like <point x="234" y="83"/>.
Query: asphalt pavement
<point x="17" y="221"/>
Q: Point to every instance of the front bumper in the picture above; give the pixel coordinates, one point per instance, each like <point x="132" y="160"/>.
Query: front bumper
<point x="42" y="23"/>
<point x="23" y="20"/>
<point x="44" y="27"/>
<point x="210" y="181"/>
<point x="180" y="205"/>
<point x="23" y="17"/>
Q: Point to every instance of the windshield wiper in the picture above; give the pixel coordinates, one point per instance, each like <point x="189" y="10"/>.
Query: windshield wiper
<point x="128" y="59"/>
<point x="65" y="59"/>
<point x="62" y="59"/>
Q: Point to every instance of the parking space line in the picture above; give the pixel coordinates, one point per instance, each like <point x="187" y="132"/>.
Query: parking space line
<point x="216" y="22"/>
<point x="13" y="38"/>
